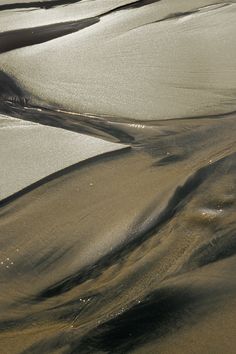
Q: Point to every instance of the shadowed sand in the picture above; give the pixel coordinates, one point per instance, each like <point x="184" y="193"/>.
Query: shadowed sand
<point x="130" y="251"/>
<point x="136" y="245"/>
<point x="44" y="4"/>
<point x="31" y="36"/>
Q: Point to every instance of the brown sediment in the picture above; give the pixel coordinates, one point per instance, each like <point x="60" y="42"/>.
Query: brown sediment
<point x="131" y="251"/>
<point x="113" y="247"/>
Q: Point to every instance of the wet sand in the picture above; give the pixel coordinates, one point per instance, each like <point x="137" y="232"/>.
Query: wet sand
<point x="164" y="256"/>
<point x="128" y="251"/>
<point x="30" y="152"/>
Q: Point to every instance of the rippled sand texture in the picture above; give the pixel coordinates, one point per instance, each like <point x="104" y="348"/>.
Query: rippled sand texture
<point x="126" y="251"/>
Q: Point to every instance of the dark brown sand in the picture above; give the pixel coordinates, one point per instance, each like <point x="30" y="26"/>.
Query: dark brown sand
<point x="128" y="252"/>
<point x="134" y="250"/>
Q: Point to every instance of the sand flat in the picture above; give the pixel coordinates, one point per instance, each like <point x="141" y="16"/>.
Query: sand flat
<point x="29" y="152"/>
<point x="122" y="239"/>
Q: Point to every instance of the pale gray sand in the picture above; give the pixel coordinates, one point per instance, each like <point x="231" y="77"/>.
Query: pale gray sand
<point x="139" y="67"/>
<point x="29" y="152"/>
<point x="11" y="20"/>
<point x="132" y="251"/>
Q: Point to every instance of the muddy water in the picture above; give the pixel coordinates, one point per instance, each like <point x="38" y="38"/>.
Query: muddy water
<point x="131" y="251"/>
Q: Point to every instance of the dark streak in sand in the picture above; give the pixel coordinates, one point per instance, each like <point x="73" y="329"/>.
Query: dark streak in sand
<point x="29" y="36"/>
<point x="92" y="160"/>
<point x="54" y="3"/>
<point x="37" y="4"/>
<point x="173" y="269"/>
<point x="15" y="39"/>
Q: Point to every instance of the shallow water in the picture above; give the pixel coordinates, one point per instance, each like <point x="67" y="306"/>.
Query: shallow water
<point x="131" y="251"/>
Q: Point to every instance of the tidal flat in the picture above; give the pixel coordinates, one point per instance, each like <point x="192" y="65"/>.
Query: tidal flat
<point x="118" y="177"/>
